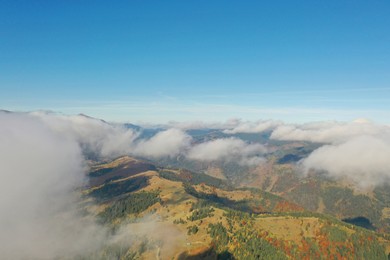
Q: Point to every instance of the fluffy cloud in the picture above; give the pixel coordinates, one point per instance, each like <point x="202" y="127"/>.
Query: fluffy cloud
<point x="169" y="143"/>
<point x="232" y="149"/>
<point x="328" y="132"/>
<point x="96" y="137"/>
<point x="364" y="159"/>
<point x="101" y="139"/>
<point x="39" y="172"/>
<point x="358" y="150"/>
<point x="253" y="127"/>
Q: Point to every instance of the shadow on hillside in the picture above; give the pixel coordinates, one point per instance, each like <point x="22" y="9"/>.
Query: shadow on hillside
<point x="209" y="254"/>
<point x="361" y="222"/>
<point x="116" y="189"/>
<point x="105" y="175"/>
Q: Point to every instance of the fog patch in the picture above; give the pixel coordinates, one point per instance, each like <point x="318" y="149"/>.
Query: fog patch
<point x="40" y="171"/>
<point x="153" y="234"/>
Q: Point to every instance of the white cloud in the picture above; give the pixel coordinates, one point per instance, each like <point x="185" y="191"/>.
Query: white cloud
<point x="39" y="172"/>
<point x="253" y="127"/>
<point x="42" y="166"/>
<point x="169" y="143"/>
<point x="231" y="149"/>
<point x="166" y="235"/>
<point x="107" y="140"/>
<point x="94" y="136"/>
<point x="364" y="159"/>
<point x="358" y="150"/>
<point x="328" y="131"/>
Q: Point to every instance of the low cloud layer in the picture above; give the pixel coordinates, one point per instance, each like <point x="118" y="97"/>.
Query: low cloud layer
<point x="358" y="150"/>
<point x="42" y="164"/>
<point x="228" y="149"/>
<point x="98" y="138"/>
<point x="101" y="139"/>
<point x="253" y="127"/>
<point x="363" y="159"/>
<point x="39" y="173"/>
<point x="169" y="143"/>
<point x="328" y="132"/>
<point x="95" y="136"/>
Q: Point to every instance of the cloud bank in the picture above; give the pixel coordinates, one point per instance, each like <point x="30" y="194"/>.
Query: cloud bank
<point x="168" y="143"/>
<point x="364" y="159"/>
<point x="96" y="137"/>
<point x="42" y="165"/>
<point x="253" y="127"/>
<point x="99" y="139"/>
<point x="328" y="132"/>
<point x="358" y="150"/>
<point x="228" y="149"/>
<point x="39" y="172"/>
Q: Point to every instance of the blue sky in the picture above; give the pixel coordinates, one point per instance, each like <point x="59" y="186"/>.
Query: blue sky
<point x="155" y="61"/>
